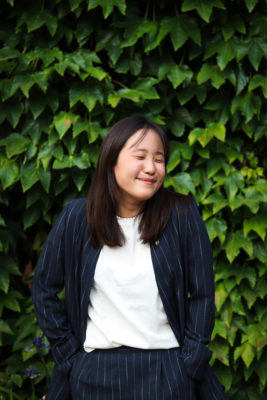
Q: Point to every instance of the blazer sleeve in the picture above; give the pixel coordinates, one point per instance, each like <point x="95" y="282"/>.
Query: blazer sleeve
<point x="200" y="303"/>
<point x="48" y="281"/>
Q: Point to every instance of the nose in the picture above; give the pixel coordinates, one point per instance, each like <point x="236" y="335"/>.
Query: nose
<point x="149" y="166"/>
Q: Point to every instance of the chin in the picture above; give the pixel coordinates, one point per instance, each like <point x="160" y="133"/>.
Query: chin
<point x="146" y="196"/>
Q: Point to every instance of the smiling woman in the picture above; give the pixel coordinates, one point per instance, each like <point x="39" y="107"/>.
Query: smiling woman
<point x="139" y="171"/>
<point x="129" y="179"/>
<point x="138" y="282"/>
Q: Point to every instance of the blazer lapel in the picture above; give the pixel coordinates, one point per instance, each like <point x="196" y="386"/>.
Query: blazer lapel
<point x="90" y="257"/>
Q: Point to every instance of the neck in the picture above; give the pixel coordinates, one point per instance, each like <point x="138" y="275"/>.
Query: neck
<point x="129" y="210"/>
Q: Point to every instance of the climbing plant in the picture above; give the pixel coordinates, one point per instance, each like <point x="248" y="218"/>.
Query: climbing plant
<point x="69" y="70"/>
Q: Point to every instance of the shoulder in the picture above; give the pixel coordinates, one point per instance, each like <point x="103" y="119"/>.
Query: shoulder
<point x="71" y="219"/>
<point x="185" y="212"/>
<point x="76" y="207"/>
<point x="181" y="203"/>
<point x="73" y="212"/>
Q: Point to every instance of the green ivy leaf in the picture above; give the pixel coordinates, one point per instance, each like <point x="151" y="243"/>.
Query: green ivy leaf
<point x="257" y="50"/>
<point x="88" y="95"/>
<point x="254" y="195"/>
<point x="178" y="74"/>
<point x="65" y="162"/>
<point x="220" y="296"/>
<point x="260" y="369"/>
<point x="15" y="144"/>
<point x="178" y="35"/>
<point x="225" y="54"/>
<point x="79" y="126"/>
<point x="204" y="135"/>
<point x="29" y="176"/>
<point x="257" y="224"/>
<point x="235" y="242"/>
<point x="45" y="178"/>
<point x="81" y="161"/>
<point x="24" y="82"/>
<point x="260" y="252"/>
<point x="94" y="131"/>
<point x="242" y="81"/>
<point x="79" y="179"/>
<point x="220" y="351"/>
<point x="215" y="164"/>
<point x="175" y="157"/>
<point x="37" y="105"/>
<point x="256" y="81"/>
<point x="51" y="22"/>
<point x="34" y="19"/>
<point x="247" y="353"/>
<point x="74" y="4"/>
<point x="249" y="105"/>
<point x="5" y="328"/>
<point x="234" y="23"/>
<point x="245" y="273"/>
<point x="63" y="122"/>
<point x="165" y="27"/>
<point x="261" y="288"/>
<point x="8" y="266"/>
<point x="130" y="94"/>
<point x="251" y="4"/>
<point x="249" y="295"/>
<point x="107" y="6"/>
<point x="8" y="53"/>
<point x="219" y="329"/>
<point x="11" y="111"/>
<point x="237" y="305"/>
<point x="204" y="7"/>
<point x="224" y="375"/>
<point x="217" y="130"/>
<point x="216" y="228"/>
<point x="9" y="173"/>
<point x="182" y="183"/>
<point x="134" y="30"/>
<point x="212" y="72"/>
<point x="217" y="200"/>
<point x="31" y="216"/>
<point x="233" y="183"/>
<point x="182" y="28"/>
<point x="27" y="354"/>
<point x="146" y="88"/>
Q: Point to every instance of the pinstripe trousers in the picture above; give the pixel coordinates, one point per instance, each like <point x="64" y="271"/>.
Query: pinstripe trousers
<point x="130" y="374"/>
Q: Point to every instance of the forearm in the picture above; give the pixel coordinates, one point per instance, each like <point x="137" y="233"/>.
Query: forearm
<point x="200" y="304"/>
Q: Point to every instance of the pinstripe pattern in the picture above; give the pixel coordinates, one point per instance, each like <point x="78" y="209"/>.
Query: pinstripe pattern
<point x="182" y="262"/>
<point x="139" y="375"/>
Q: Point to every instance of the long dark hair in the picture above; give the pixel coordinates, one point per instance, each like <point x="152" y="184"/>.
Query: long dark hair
<point x="104" y="192"/>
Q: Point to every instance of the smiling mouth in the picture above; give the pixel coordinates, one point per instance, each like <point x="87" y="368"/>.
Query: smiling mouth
<point x="147" y="181"/>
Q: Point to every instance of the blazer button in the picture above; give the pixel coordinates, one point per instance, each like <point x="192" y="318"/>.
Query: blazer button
<point x="157" y="242"/>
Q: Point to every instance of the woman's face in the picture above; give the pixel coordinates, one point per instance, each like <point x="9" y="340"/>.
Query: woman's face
<point x="139" y="171"/>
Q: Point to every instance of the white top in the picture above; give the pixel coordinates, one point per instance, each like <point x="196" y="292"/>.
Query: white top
<point x="125" y="307"/>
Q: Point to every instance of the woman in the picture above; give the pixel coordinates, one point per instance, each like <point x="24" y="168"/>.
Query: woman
<point x="137" y="273"/>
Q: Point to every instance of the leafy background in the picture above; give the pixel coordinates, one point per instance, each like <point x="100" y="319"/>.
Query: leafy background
<point x="69" y="70"/>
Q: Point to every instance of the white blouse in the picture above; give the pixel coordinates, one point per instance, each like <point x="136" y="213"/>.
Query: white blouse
<point x="125" y="307"/>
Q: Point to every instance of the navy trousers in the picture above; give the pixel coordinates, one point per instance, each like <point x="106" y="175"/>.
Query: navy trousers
<point x="130" y="374"/>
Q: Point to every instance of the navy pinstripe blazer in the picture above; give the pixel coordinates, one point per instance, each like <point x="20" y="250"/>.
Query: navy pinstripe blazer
<point x="182" y="262"/>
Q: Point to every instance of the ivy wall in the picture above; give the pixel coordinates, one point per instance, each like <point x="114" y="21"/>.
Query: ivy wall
<point x="69" y="70"/>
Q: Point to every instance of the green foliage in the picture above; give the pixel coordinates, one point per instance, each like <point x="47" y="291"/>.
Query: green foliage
<point x="69" y="70"/>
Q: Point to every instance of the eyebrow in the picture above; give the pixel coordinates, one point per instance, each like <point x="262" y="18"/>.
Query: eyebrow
<point x="146" y="151"/>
